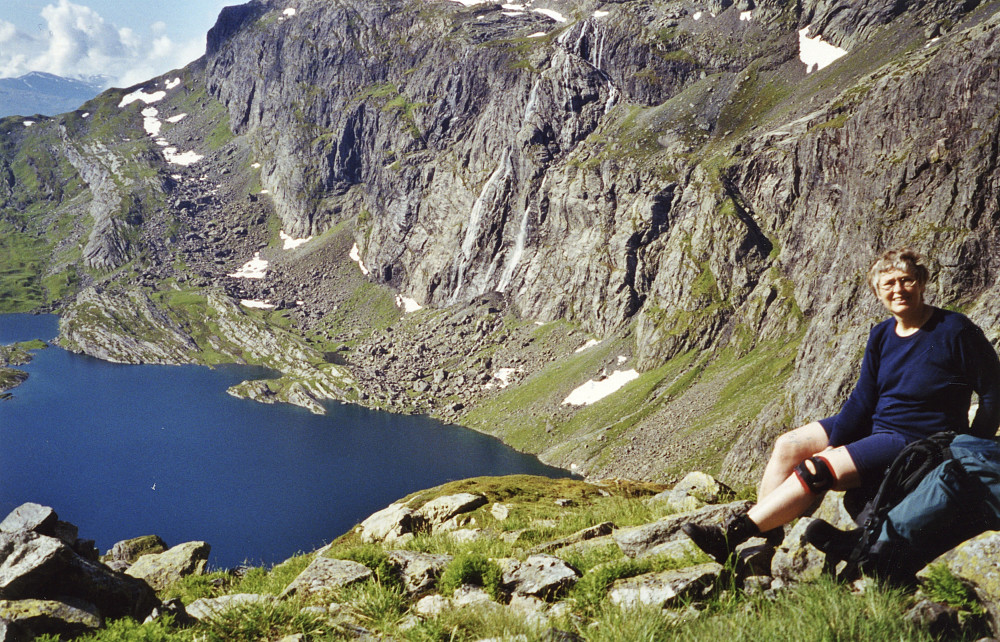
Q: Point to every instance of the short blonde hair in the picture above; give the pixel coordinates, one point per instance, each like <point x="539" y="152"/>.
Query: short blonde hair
<point x="905" y="259"/>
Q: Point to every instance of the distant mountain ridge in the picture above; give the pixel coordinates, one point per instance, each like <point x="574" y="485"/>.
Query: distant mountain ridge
<point x="47" y="94"/>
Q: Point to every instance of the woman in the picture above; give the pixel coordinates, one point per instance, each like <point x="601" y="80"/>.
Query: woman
<point x="918" y="373"/>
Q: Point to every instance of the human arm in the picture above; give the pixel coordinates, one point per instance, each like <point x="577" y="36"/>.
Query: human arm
<point x="855" y="418"/>
<point x="982" y="367"/>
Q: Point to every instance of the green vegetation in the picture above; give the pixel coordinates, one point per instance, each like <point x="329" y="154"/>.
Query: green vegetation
<point x="821" y="610"/>
<point x="471" y="568"/>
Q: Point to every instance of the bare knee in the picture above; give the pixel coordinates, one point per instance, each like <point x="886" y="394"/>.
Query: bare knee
<point x="794" y="446"/>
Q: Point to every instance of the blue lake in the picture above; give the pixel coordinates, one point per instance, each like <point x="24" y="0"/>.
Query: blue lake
<point x="123" y="451"/>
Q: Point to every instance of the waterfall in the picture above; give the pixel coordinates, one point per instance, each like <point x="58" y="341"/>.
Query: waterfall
<point x="486" y="195"/>
<point x="515" y="254"/>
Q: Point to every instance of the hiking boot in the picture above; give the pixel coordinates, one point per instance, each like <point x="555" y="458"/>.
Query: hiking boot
<point x="720" y="542"/>
<point x="834" y="542"/>
<point x="711" y="539"/>
<point x="775" y="536"/>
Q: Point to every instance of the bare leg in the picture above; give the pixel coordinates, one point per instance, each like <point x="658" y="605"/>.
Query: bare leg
<point x="790" y="450"/>
<point x="790" y="499"/>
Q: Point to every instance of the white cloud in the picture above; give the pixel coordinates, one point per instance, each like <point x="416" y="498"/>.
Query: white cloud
<point x="78" y="42"/>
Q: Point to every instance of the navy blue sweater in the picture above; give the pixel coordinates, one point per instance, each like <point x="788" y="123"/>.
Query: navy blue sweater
<point x="922" y="384"/>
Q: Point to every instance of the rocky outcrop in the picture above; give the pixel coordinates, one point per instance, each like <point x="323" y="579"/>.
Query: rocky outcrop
<point x="50" y="581"/>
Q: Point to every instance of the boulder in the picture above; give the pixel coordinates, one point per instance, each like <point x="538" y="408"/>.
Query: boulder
<point x="207" y="607"/>
<point x="27" y="619"/>
<point x="691" y="493"/>
<point x="34" y="566"/>
<point x="500" y="511"/>
<point x="390" y="524"/>
<point x="543" y="576"/>
<point x="160" y="570"/>
<point x="129" y="550"/>
<point x="975" y="562"/>
<point x="419" y="571"/>
<point x="431" y="605"/>
<point x="468" y="595"/>
<point x="591" y="532"/>
<point x="30" y="517"/>
<point x="639" y="539"/>
<point x="324" y="574"/>
<point x="441" y="509"/>
<point x="664" y="588"/>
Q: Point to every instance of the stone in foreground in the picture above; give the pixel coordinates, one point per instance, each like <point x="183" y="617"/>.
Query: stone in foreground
<point x="543" y="576"/>
<point x="27" y="619"/>
<point x="324" y="574"/>
<point x="160" y="570"/>
<point x="665" y="587"/>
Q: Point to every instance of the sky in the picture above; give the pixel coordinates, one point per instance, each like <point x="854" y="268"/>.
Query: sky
<point x="127" y="40"/>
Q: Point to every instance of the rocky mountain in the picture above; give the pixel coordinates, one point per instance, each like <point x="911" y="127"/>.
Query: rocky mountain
<point x="42" y="93"/>
<point x="628" y="236"/>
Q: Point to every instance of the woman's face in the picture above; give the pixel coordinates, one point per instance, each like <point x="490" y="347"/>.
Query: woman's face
<point x="900" y="292"/>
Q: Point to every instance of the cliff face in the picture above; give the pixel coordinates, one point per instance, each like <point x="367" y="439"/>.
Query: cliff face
<point x="672" y="178"/>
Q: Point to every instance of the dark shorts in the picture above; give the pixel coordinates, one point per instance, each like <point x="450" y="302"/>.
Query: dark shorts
<point x="872" y="454"/>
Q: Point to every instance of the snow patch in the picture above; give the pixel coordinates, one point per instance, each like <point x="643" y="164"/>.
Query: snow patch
<point x="555" y="15"/>
<point x="503" y="375"/>
<point x="601" y="14"/>
<point x="589" y="344"/>
<point x="29" y="123"/>
<point x="150" y="122"/>
<point x="697" y="15"/>
<point x="816" y="53"/>
<point x="143" y="96"/>
<point x="356" y="257"/>
<point x="292" y="243"/>
<point x="746" y="16"/>
<point x="594" y="391"/>
<point x="622" y="359"/>
<point x="176" y="119"/>
<point x="408" y="304"/>
<point x="471" y="3"/>
<point x="256" y="166"/>
<point x="289" y="12"/>
<point x="181" y="158"/>
<point x="255" y="268"/>
<point x="173" y="83"/>
<point x="85" y="115"/>
<point x="538" y="34"/>
<point x="253" y="303"/>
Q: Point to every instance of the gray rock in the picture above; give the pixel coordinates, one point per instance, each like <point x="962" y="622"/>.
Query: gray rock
<point x="41" y="567"/>
<point x="665" y="587"/>
<point x="691" y="493"/>
<point x="391" y="523"/>
<point x="207" y="607"/>
<point x="30" y="517"/>
<point x="324" y="574"/>
<point x="419" y="571"/>
<point x="591" y="532"/>
<point x="469" y="595"/>
<point x="974" y="562"/>
<point x="441" y="509"/>
<point x="431" y="605"/>
<point x="543" y="576"/>
<point x="160" y="570"/>
<point x="637" y="540"/>
<point x="31" y="618"/>
<point x="130" y="550"/>
<point x="500" y="511"/>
